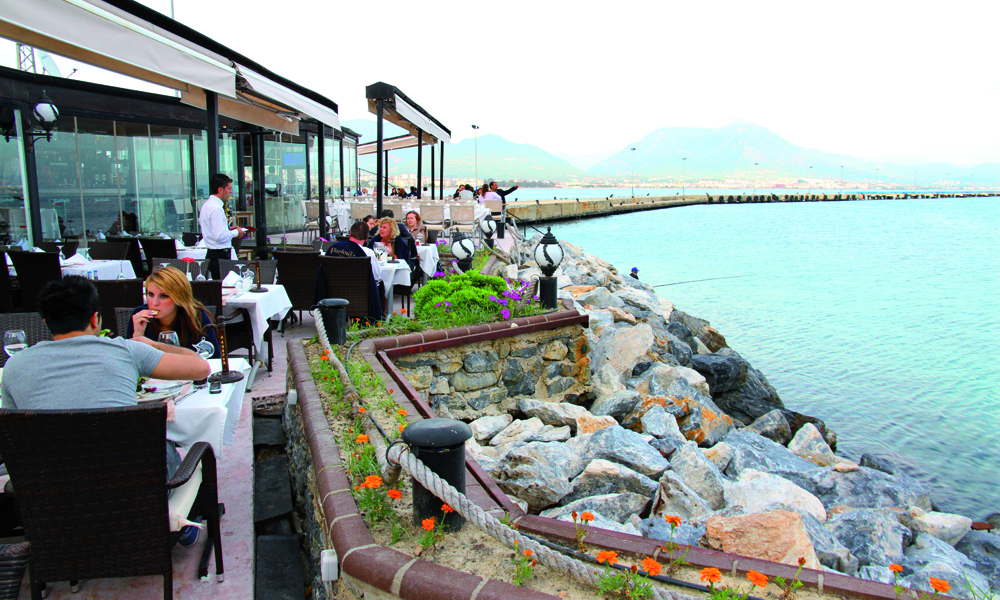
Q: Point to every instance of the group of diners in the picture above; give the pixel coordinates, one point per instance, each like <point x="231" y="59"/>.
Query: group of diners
<point x="399" y="192"/>
<point x="488" y="191"/>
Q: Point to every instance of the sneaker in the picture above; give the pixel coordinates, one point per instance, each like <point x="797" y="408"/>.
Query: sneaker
<point x="189" y="536"/>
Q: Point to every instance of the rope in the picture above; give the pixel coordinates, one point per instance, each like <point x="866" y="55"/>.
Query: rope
<point x="576" y="569"/>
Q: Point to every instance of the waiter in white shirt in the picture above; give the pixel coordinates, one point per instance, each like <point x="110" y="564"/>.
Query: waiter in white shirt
<point x="215" y="229"/>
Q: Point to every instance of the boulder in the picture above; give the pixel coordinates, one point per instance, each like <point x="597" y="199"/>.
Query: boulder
<point x="599" y="298"/>
<point x="773" y="426"/>
<point x="643" y="300"/>
<point x="662" y="425"/>
<point x="720" y="455"/>
<point x="617" y="405"/>
<point x="931" y="557"/>
<point x="705" y="423"/>
<point x="686" y="534"/>
<point x="606" y="381"/>
<point x="538" y="472"/>
<point x="617" y="507"/>
<point x="861" y="488"/>
<point x="548" y="433"/>
<point x="657" y="378"/>
<point x="754" y="399"/>
<point x="699" y="474"/>
<point x="777" y="536"/>
<point x="876" y="573"/>
<point x="983" y="549"/>
<point x="757" y="491"/>
<point x="588" y="423"/>
<point x="724" y="373"/>
<point x="517" y="431"/>
<point x="604" y="477"/>
<point x="602" y="522"/>
<point x="552" y="413"/>
<point x="667" y="446"/>
<point x="620" y="316"/>
<point x="810" y="445"/>
<point x="485" y="428"/>
<point x="873" y="536"/>
<point x="576" y="290"/>
<point x="628" y="448"/>
<point x="830" y="552"/>
<point x="675" y="498"/>
<point x="752" y="451"/>
<point x="878" y="463"/>
<point x="681" y="332"/>
<point x="620" y="346"/>
<point x="944" y="526"/>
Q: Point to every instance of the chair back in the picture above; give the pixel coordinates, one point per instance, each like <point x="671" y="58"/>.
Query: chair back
<point x="34" y="270"/>
<point x="347" y="278"/>
<point x="396" y="208"/>
<point x="93" y="505"/>
<point x="133" y="255"/>
<point x="495" y="206"/>
<point x="311" y="210"/>
<point x="268" y="269"/>
<point x="190" y="239"/>
<point x="31" y="323"/>
<point x="297" y="273"/>
<point x="463" y="214"/>
<point x="432" y="236"/>
<point x="108" y="250"/>
<point x="6" y="291"/>
<point x="68" y="248"/>
<point x="359" y="210"/>
<point x="114" y="293"/>
<point x="432" y="214"/>
<point x="158" y="248"/>
<point x="208" y="293"/>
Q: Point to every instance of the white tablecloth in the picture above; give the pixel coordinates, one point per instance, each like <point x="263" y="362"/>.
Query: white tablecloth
<point x="212" y="418"/>
<point x="198" y="253"/>
<point x="342" y="210"/>
<point x="429" y="257"/>
<point x="274" y="304"/>
<point x="395" y="273"/>
<point x="106" y="269"/>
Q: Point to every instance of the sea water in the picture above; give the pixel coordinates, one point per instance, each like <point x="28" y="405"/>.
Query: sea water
<point x="880" y="317"/>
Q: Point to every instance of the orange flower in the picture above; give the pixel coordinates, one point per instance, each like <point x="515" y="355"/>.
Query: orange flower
<point x="652" y="567"/>
<point x="324" y="357"/>
<point x="378" y="323"/>
<point x="528" y="552"/>
<point x="372" y="482"/>
<point x="802" y="561"/>
<point x="402" y="310"/>
<point x="896" y="568"/>
<point x="574" y="515"/>
<point x="394" y="494"/>
<point x="428" y="524"/>
<point x="672" y="520"/>
<point x="362" y="409"/>
<point x="607" y="555"/>
<point x="587" y="517"/>
<point x="402" y="411"/>
<point x="758" y="579"/>
<point x="401" y="428"/>
<point x="447" y="509"/>
<point x="710" y="574"/>
<point x="391" y="391"/>
<point x="940" y="585"/>
<point x="361" y="439"/>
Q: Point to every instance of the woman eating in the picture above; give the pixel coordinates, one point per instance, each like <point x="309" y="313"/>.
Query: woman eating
<point x="388" y="236"/>
<point x="416" y="226"/>
<point x="170" y="306"/>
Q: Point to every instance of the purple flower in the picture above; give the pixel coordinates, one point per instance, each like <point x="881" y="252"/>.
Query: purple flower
<point x="439" y="274"/>
<point x="493" y="298"/>
<point x="535" y="296"/>
<point x="503" y="302"/>
<point x="505" y="313"/>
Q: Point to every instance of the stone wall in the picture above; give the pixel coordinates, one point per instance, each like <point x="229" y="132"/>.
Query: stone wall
<point x="486" y="378"/>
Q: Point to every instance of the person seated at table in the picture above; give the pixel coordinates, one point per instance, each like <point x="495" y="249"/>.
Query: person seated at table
<point x="394" y="243"/>
<point x="466" y="194"/>
<point x="387" y="213"/>
<point x="485" y="193"/>
<point x="416" y="227"/>
<point x="131" y="224"/>
<point x="370" y="221"/>
<point x="413" y="192"/>
<point x="458" y="192"/>
<point x="170" y="306"/>
<point x="355" y="246"/>
<point x="80" y="369"/>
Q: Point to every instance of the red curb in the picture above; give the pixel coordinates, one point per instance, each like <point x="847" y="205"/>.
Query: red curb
<point x="379" y="563"/>
<point x="429" y="581"/>
<point x="349" y="532"/>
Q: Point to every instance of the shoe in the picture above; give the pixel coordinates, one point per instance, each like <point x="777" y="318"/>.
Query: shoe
<point x="189" y="536"/>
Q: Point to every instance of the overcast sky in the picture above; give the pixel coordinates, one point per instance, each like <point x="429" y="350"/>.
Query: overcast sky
<point x="876" y="80"/>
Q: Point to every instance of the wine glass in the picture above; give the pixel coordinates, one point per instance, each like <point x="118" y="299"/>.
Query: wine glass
<point x="121" y="270"/>
<point x="201" y="273"/>
<point x="204" y="348"/>
<point x="14" y="341"/>
<point x="86" y="253"/>
<point x="59" y="246"/>
<point x="169" y="338"/>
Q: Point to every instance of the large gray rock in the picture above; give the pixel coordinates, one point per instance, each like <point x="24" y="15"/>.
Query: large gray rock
<point x="662" y="425"/>
<point x="548" y="433"/>
<point x="551" y="413"/>
<point x="862" y="488"/>
<point x="600" y="298"/>
<point x="773" y="426"/>
<point x="620" y="346"/>
<point x="829" y="550"/>
<point x="983" y="549"/>
<point x="480" y="362"/>
<point x="809" y="444"/>
<point x="874" y="537"/>
<point x="602" y="522"/>
<point x="645" y="301"/>
<point x="931" y="557"/>
<point x="517" y="431"/>
<point x="876" y="573"/>
<point x="752" y="451"/>
<point x="720" y="455"/>
<point x="617" y="405"/>
<point x="675" y="498"/>
<point x="687" y="533"/>
<point x="681" y="332"/>
<point x="628" y="448"/>
<point x="464" y="382"/>
<point x="724" y="373"/>
<point x="657" y="378"/>
<point x="538" y="472"/>
<point x="485" y="428"/>
<point x="606" y="381"/>
<point x="947" y="527"/>
<point x="754" y="399"/>
<point x="756" y="491"/>
<point x="605" y="477"/>
<point x="700" y="474"/>
<point x="617" y="507"/>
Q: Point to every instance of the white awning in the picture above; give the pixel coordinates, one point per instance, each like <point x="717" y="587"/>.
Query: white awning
<point x="422" y="122"/>
<point x="396" y="143"/>
<point x="290" y="98"/>
<point x="95" y="33"/>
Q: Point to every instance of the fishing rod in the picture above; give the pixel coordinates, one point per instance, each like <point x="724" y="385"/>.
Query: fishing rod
<point x="709" y="279"/>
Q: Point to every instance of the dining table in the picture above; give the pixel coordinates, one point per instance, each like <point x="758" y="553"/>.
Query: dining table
<point x="206" y="417"/>
<point x="77" y="265"/>
<point x="263" y="307"/>
<point x="428" y="256"/>
<point x="394" y="273"/>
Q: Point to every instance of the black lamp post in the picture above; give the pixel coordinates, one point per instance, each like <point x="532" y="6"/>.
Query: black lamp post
<point x="463" y="249"/>
<point x="488" y="227"/>
<point x="46" y="114"/>
<point x="548" y="255"/>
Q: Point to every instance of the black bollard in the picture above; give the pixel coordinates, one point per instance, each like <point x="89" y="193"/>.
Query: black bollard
<point x="334" y="314"/>
<point x="439" y="444"/>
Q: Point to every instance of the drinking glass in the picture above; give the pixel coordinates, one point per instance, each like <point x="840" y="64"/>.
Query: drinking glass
<point x="201" y="272"/>
<point x="86" y="254"/>
<point x="204" y="348"/>
<point x="14" y="341"/>
<point x="169" y="338"/>
<point x="121" y="270"/>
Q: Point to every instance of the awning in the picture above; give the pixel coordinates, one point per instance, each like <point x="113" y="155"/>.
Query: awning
<point x="399" y="110"/>
<point x="394" y="143"/>
<point x="96" y="33"/>
<point x="262" y="86"/>
<point x="422" y="122"/>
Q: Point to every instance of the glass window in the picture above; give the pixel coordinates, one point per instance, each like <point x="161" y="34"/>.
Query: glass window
<point x="331" y="152"/>
<point x="13" y="204"/>
<point x="350" y="164"/>
<point x="284" y="182"/>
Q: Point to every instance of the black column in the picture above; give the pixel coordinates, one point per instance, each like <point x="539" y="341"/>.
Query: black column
<point x="241" y="174"/>
<point x="259" y="172"/>
<point x="212" y="127"/>
<point x="322" y="180"/>
<point x="30" y="166"/>
<point x="341" y="140"/>
<point x="442" y="170"/>
<point x="420" y="164"/>
<point x="433" y="178"/>
<point x="378" y="158"/>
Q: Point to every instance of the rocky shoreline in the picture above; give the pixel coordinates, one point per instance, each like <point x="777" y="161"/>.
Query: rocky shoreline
<point x="677" y="423"/>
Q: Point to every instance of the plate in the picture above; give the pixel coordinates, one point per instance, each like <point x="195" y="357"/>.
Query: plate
<point x="161" y="394"/>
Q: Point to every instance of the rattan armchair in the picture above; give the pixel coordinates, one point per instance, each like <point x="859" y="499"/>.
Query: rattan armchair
<point x="114" y="293"/>
<point x="297" y="273"/>
<point x="268" y="269"/>
<point x="34" y="270"/>
<point x="69" y="247"/>
<point x="31" y="323"/>
<point x="348" y="278"/>
<point x="94" y="505"/>
<point x="7" y="300"/>
<point x="109" y="251"/>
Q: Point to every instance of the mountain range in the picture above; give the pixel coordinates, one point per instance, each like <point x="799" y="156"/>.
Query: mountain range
<point x="737" y="150"/>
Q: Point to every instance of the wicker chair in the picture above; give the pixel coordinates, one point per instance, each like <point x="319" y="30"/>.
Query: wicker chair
<point x="114" y="293"/>
<point x="109" y="251"/>
<point x="157" y="248"/>
<point x="7" y="302"/>
<point x="32" y="324"/>
<point x="268" y="269"/>
<point x="101" y="509"/>
<point x="34" y="270"/>
<point x="68" y="248"/>
<point x="190" y="239"/>
<point x="297" y="273"/>
<point x="133" y="255"/>
<point x="347" y="278"/>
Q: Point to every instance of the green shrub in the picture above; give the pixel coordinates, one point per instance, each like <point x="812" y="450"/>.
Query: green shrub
<point x="458" y="300"/>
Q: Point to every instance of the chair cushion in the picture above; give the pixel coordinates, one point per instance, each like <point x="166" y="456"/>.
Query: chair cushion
<point x="182" y="499"/>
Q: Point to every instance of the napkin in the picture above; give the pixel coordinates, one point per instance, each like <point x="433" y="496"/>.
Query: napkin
<point x="178" y="244"/>
<point x="9" y="263"/>
<point x="164" y="236"/>
<point x="200" y="244"/>
<point x="76" y="259"/>
<point x="230" y="279"/>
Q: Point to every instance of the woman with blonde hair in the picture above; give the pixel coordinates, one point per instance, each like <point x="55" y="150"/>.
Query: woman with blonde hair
<point x="388" y="236"/>
<point x="170" y="306"/>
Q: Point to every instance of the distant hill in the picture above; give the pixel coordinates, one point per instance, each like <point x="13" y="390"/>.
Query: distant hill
<point x="499" y="158"/>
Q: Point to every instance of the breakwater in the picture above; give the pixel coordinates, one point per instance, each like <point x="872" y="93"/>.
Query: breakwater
<point x="538" y="211"/>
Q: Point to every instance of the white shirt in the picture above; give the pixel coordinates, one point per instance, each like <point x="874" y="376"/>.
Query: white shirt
<point x="465" y="195"/>
<point x="376" y="269"/>
<point x="214" y="226"/>
<point x="490" y="196"/>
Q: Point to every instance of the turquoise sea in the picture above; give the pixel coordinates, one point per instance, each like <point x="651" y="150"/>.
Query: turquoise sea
<point x="880" y="317"/>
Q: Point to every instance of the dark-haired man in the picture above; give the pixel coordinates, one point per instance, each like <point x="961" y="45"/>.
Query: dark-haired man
<point x="503" y="197"/>
<point x="215" y="229"/>
<point x="355" y="247"/>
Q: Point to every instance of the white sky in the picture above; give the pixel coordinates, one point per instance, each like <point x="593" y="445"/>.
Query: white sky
<point x="875" y="80"/>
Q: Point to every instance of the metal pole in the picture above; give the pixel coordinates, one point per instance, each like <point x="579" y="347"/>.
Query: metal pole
<point x="259" y="174"/>
<point x="321" y="153"/>
<point x="433" y="178"/>
<point x="34" y="232"/>
<point x="442" y="170"/>
<point x="212" y="126"/>
<point x="420" y="163"/>
<point x="378" y="157"/>
<point x="356" y="183"/>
